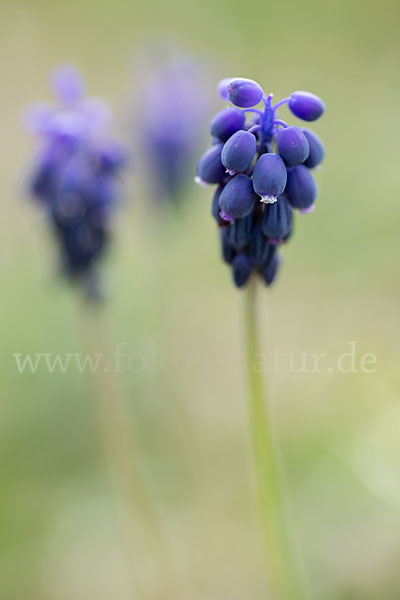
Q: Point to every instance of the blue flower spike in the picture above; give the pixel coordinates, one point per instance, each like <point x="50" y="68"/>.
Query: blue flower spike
<point x="168" y="127"/>
<point x="262" y="167"/>
<point x="75" y="176"/>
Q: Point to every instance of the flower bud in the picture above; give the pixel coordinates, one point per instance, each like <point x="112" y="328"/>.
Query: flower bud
<point x="227" y="250"/>
<point x="226" y="122"/>
<point x="244" y="92"/>
<point x="317" y="150"/>
<point x="238" y="152"/>
<point x="301" y="189"/>
<point x="241" y="270"/>
<point x="292" y="145"/>
<point x="269" y="177"/>
<point x="270" y="270"/>
<point x="306" y="106"/>
<point x="240" y="232"/>
<point x="210" y="168"/>
<point x="215" y="210"/>
<point x="237" y="198"/>
<point x="277" y="221"/>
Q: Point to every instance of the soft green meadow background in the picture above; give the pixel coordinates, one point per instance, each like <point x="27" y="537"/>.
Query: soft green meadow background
<point x="62" y="536"/>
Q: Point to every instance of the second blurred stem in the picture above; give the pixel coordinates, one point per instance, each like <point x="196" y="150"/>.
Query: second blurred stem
<point x="282" y="569"/>
<point x="124" y="457"/>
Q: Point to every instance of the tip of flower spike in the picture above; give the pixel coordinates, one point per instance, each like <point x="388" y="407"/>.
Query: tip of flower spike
<point x="67" y="84"/>
<point x="226" y="217"/>
<point x="269" y="199"/>
<point x="200" y="181"/>
<point x="309" y="209"/>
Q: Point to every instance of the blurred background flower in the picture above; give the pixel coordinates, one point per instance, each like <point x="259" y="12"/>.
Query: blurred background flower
<point x="75" y="175"/>
<point x="173" y="102"/>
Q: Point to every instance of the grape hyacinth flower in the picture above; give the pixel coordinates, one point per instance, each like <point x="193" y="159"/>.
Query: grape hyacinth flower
<point x="263" y="170"/>
<point x="75" y="174"/>
<point x="172" y="116"/>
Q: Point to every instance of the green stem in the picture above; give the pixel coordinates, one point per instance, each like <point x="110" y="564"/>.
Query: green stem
<point x="123" y="455"/>
<point x="284" y="580"/>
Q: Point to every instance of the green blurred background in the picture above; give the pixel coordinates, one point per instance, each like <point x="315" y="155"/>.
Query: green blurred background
<point x="61" y="530"/>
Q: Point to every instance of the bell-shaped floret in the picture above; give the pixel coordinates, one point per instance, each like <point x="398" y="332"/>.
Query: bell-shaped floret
<point x="237" y="198"/>
<point x="306" y="106"/>
<point x="301" y="189"/>
<point x="226" y="122"/>
<point x="292" y="145"/>
<point x="210" y="168"/>
<point x="244" y="92"/>
<point x="238" y="152"/>
<point x="269" y="177"/>
<point x="277" y="221"/>
<point x="317" y="150"/>
<point x="241" y="269"/>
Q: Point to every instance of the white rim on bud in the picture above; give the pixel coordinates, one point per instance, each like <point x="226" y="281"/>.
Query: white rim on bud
<point x="269" y="199"/>
<point x="200" y="181"/>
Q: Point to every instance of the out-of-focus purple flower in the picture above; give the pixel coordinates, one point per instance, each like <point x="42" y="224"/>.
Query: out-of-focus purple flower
<point x="75" y="173"/>
<point x="172" y="116"/>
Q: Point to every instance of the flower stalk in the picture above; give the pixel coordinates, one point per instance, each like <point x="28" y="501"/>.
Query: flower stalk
<point x="123" y="454"/>
<point x="283" y="575"/>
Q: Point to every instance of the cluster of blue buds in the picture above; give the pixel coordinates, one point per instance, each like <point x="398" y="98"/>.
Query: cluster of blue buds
<point x="262" y="168"/>
<point x="75" y="173"/>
